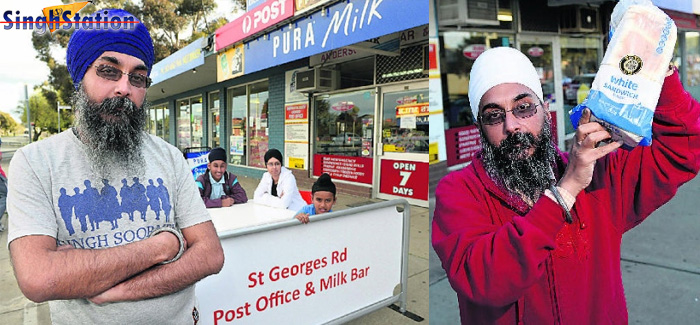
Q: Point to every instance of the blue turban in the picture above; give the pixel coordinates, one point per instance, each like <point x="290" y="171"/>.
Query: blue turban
<point x="86" y="45"/>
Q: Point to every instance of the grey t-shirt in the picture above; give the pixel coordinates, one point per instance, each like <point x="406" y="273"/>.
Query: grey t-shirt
<point x="52" y="192"/>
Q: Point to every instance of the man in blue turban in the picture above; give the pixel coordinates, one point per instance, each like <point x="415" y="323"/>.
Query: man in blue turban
<point x="119" y="270"/>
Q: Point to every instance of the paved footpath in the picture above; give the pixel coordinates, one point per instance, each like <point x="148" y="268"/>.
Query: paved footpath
<point x="660" y="267"/>
<point x="16" y="309"/>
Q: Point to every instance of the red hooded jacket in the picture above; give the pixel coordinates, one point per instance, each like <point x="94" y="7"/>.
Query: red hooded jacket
<point x="510" y="263"/>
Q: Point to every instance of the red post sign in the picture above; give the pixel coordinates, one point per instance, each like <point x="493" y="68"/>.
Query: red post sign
<point x="263" y="16"/>
<point x="354" y="169"/>
<point x="404" y="178"/>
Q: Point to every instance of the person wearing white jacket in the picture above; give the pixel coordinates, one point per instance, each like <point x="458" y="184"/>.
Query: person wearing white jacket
<point x="278" y="187"/>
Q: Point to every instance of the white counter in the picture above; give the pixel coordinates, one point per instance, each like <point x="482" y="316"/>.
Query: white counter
<point x="246" y="215"/>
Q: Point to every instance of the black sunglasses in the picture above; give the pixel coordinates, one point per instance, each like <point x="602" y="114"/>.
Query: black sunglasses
<point x="497" y="116"/>
<point x="112" y="73"/>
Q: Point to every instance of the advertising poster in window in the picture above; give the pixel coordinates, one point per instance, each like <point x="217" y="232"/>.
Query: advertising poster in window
<point x="296" y="135"/>
<point x="353" y="169"/>
<point x="404" y="178"/>
<point x="463" y="142"/>
<point x="229" y="64"/>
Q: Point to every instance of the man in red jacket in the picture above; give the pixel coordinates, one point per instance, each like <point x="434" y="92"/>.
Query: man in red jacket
<point x="529" y="234"/>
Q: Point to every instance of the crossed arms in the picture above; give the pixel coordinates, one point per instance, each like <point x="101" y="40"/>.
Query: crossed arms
<point x="124" y="273"/>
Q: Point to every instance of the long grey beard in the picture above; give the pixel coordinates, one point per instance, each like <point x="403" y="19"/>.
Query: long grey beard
<point x="112" y="147"/>
<point x="508" y="165"/>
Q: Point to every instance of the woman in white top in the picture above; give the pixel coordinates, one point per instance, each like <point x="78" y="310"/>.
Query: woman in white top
<point x="278" y="187"/>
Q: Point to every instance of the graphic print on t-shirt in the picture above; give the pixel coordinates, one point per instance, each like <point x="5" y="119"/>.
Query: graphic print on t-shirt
<point x="93" y="208"/>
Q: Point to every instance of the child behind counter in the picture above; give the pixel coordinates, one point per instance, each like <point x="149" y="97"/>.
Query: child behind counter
<point x="322" y="197"/>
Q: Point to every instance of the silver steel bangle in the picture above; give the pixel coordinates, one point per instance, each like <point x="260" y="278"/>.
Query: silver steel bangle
<point x="561" y="202"/>
<point x="177" y="234"/>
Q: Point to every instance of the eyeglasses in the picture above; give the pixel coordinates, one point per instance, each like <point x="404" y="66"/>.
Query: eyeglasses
<point x="111" y="73"/>
<point x="274" y="164"/>
<point x="498" y="116"/>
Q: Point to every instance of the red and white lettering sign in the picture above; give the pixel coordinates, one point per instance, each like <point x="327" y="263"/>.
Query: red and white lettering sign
<point x="263" y="16"/>
<point x="473" y="51"/>
<point x="354" y="169"/>
<point x="404" y="178"/>
<point x="462" y="144"/>
<point x="297" y="111"/>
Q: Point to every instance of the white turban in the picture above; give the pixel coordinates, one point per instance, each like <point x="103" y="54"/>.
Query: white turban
<point x="497" y="66"/>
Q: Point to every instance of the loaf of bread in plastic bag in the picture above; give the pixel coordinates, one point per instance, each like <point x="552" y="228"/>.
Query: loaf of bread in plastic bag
<point x="626" y="88"/>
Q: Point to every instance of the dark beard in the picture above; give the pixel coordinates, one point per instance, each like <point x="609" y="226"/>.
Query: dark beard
<point x="508" y="165"/>
<point x="113" y="142"/>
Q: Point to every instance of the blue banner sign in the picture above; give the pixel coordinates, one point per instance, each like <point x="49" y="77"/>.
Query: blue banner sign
<point x="344" y="23"/>
<point x="198" y="162"/>
<point x="184" y="59"/>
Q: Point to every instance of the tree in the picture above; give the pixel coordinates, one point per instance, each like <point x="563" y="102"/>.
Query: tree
<point x="44" y="116"/>
<point x="8" y="125"/>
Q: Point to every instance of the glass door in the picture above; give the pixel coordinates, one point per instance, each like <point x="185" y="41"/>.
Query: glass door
<point x="545" y="54"/>
<point x="403" y="149"/>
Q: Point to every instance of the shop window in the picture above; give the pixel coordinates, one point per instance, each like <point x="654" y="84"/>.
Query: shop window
<point x="345" y="123"/>
<point x="189" y="123"/>
<point x="159" y="121"/>
<point x="249" y="124"/>
<point x="692" y="58"/>
<point x="258" y="122"/>
<point x="458" y="55"/>
<point x="580" y="60"/>
<point x="214" y="120"/>
<point x="237" y="140"/>
<point x="405" y="121"/>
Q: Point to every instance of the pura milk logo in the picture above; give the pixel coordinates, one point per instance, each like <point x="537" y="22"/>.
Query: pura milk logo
<point x="65" y="17"/>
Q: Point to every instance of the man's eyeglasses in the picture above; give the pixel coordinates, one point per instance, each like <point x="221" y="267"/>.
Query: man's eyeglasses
<point x="274" y="164"/>
<point x="111" y="73"/>
<point x="497" y="116"/>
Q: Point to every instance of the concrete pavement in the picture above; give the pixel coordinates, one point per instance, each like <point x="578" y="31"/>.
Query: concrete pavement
<point x="16" y="309"/>
<point x="660" y="267"/>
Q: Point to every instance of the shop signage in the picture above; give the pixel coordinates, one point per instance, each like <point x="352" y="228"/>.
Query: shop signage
<point x="414" y="35"/>
<point x="413" y="109"/>
<point x="184" y="59"/>
<point x="388" y="43"/>
<point x="344" y="23"/>
<point x="462" y="144"/>
<point x="354" y="169"/>
<point x="229" y="64"/>
<point x="473" y="51"/>
<point x="333" y="276"/>
<point x="535" y="51"/>
<point x="263" y="16"/>
<point x="404" y="178"/>
<point x="343" y="106"/>
<point x="297" y="111"/>
<point x="198" y="162"/>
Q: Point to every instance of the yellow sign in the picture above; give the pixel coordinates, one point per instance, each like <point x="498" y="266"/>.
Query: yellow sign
<point x="296" y="163"/>
<point x="229" y="64"/>
<point x="58" y="11"/>
<point x="393" y="148"/>
<point x="433" y="152"/>
<point x="419" y="109"/>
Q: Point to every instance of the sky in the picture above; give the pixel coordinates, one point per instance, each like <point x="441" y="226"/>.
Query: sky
<point x="18" y="63"/>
